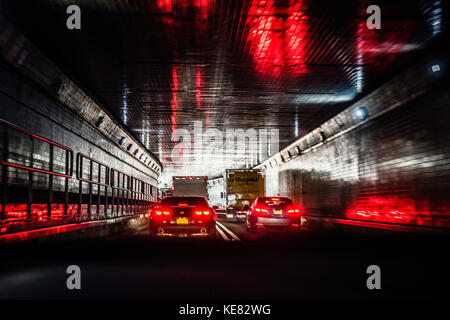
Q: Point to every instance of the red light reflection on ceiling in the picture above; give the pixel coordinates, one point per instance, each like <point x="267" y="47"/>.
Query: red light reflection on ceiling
<point x="174" y="99"/>
<point x="277" y="37"/>
<point x="381" y="48"/>
<point x="203" y="8"/>
<point x="198" y="86"/>
<point x="165" y="5"/>
<point x="198" y="92"/>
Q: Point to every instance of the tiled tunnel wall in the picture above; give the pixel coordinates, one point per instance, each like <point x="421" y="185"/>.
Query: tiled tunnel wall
<point x="395" y="168"/>
<point x="25" y="106"/>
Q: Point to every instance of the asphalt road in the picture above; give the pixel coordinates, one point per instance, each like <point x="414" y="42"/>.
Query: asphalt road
<point x="237" y="265"/>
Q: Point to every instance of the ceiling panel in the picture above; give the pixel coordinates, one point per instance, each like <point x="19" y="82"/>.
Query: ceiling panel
<point x="159" y="66"/>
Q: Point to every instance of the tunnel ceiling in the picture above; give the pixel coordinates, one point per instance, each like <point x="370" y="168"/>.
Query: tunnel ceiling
<point x="289" y="65"/>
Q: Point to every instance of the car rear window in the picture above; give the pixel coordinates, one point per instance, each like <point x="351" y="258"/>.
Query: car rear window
<point x="190" y="201"/>
<point x="275" y="202"/>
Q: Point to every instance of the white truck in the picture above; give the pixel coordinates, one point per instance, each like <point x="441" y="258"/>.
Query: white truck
<point x="188" y="186"/>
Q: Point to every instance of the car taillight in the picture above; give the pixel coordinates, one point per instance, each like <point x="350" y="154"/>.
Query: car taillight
<point x="202" y="212"/>
<point x="294" y="210"/>
<point x="163" y="212"/>
<point x="261" y="210"/>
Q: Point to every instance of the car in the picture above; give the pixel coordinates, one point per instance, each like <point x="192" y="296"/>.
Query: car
<point x="183" y="217"/>
<point x="273" y="213"/>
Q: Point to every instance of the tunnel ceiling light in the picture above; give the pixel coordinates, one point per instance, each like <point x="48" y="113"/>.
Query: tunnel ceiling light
<point x="298" y="150"/>
<point x="360" y="113"/>
<point x="129" y="147"/>
<point x="122" y="140"/>
<point x="435" y="68"/>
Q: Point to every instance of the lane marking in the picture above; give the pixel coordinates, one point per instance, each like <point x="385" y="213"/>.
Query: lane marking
<point x="222" y="234"/>
<point x="235" y="237"/>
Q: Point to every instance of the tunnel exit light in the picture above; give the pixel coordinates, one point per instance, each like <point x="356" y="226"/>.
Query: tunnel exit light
<point x="435" y="68"/>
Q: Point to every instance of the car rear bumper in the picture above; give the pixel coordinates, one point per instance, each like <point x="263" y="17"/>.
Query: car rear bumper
<point x="277" y="222"/>
<point x="190" y="230"/>
<point x="239" y="215"/>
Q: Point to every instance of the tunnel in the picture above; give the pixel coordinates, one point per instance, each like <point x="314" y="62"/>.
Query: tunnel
<point x="114" y="114"/>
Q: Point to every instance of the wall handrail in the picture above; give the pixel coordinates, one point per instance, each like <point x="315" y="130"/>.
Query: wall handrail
<point x="81" y="156"/>
<point x="69" y="153"/>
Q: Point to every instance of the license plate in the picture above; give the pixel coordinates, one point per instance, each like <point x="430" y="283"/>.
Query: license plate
<point x="182" y="221"/>
<point x="277" y="211"/>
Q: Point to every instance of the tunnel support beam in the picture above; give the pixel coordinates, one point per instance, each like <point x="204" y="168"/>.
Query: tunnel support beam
<point x="4" y="173"/>
<point x="50" y="184"/>
<point x="30" y="181"/>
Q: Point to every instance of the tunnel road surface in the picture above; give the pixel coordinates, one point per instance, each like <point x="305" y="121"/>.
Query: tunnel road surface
<point x="304" y="265"/>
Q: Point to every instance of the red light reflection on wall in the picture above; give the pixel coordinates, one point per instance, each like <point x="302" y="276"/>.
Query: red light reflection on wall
<point x="17" y="213"/>
<point x="277" y="37"/>
<point x="397" y="210"/>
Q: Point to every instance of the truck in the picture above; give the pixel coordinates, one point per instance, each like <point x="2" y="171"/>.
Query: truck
<point x="190" y="186"/>
<point x="242" y="187"/>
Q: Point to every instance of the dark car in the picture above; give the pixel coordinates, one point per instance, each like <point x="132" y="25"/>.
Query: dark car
<point x="278" y="213"/>
<point x="182" y="217"/>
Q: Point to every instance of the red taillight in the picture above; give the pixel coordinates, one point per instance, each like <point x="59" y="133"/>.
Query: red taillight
<point x="163" y="212"/>
<point x="260" y="210"/>
<point x="294" y="210"/>
<point x="202" y="212"/>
